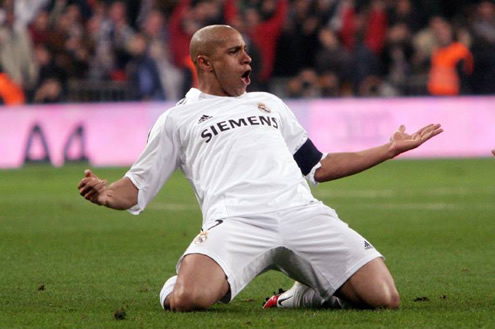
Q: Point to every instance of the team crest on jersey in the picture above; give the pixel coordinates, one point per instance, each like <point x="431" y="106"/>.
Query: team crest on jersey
<point x="201" y="237"/>
<point x="263" y="108"/>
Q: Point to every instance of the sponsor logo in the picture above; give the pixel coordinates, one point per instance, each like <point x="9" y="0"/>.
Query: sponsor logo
<point x="281" y="300"/>
<point x="219" y="127"/>
<point x="218" y="222"/>
<point x="367" y="245"/>
<point x="204" y="118"/>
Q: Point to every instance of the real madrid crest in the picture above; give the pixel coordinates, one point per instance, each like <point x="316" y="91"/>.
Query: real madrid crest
<point x="263" y="108"/>
<point x="201" y="237"/>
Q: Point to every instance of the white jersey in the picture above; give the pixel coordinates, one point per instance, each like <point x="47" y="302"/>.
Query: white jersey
<point x="237" y="153"/>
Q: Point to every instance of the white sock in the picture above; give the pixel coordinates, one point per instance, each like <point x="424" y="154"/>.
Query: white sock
<point x="335" y="303"/>
<point x="168" y="287"/>
<point x="300" y="296"/>
<point x="311" y="299"/>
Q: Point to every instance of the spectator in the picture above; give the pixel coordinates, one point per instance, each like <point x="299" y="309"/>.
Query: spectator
<point x="26" y="10"/>
<point x="424" y="43"/>
<point x="143" y="72"/>
<point x="483" y="48"/>
<point x="10" y="92"/>
<point x="376" y="26"/>
<point x="483" y="22"/>
<point x="102" y="59"/>
<point x="330" y="84"/>
<point x="332" y="57"/>
<point x="40" y="28"/>
<point x="325" y="10"/>
<point x="405" y="12"/>
<point x="364" y="70"/>
<point x="73" y="52"/>
<point x="181" y="27"/>
<point x="116" y="33"/>
<point x="451" y="64"/>
<point x="52" y="80"/>
<point x="299" y="37"/>
<point x="366" y="24"/>
<point x="304" y="85"/>
<point x="154" y="29"/>
<point x="66" y="40"/>
<point x="57" y="8"/>
<point x="49" y="92"/>
<point x="16" y="52"/>
<point x="76" y="57"/>
<point x="396" y="58"/>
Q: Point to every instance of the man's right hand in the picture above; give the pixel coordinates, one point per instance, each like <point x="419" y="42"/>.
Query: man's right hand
<point x="94" y="189"/>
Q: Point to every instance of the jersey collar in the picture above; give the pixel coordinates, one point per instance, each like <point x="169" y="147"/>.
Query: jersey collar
<point x="195" y="94"/>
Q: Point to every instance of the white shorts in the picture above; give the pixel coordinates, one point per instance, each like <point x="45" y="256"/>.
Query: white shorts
<point x="310" y="244"/>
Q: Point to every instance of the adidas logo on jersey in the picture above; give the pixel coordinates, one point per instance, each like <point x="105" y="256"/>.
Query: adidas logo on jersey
<point x="367" y="245"/>
<point x="204" y="118"/>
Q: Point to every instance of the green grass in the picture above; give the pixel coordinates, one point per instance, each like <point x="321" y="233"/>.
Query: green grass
<point x="65" y="263"/>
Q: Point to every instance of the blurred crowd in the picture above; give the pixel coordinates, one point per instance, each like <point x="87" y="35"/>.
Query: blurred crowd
<point x="300" y="48"/>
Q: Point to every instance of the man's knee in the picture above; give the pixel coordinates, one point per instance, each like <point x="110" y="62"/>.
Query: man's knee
<point x="201" y="282"/>
<point x="393" y="301"/>
<point x="388" y="299"/>
<point x="186" y="301"/>
<point x="372" y="286"/>
<point x="382" y="295"/>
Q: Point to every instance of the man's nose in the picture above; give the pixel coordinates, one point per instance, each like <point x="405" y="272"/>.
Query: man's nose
<point x="246" y="59"/>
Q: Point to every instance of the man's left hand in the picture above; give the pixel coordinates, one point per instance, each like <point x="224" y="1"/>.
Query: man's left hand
<point x="402" y="141"/>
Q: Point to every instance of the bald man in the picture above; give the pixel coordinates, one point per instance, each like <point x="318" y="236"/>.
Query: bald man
<point x="249" y="160"/>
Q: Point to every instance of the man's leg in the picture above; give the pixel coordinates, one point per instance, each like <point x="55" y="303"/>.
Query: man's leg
<point x="200" y="283"/>
<point x="372" y="286"/>
<point x="344" y="268"/>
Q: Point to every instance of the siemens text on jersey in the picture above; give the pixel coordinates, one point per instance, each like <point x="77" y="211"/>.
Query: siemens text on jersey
<point x="225" y="125"/>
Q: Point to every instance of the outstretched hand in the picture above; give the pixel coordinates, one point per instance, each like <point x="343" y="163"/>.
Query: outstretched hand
<point x="94" y="189"/>
<point x="402" y="142"/>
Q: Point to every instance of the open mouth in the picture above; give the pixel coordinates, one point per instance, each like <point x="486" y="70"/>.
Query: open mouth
<point x="245" y="77"/>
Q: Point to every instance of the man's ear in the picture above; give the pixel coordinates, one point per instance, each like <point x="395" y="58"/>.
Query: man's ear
<point x="204" y="63"/>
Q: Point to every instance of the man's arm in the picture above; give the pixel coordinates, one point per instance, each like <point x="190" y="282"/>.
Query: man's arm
<point x="338" y="165"/>
<point x="121" y="195"/>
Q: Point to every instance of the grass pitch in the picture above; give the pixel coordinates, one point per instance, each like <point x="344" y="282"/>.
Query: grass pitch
<point x="65" y="263"/>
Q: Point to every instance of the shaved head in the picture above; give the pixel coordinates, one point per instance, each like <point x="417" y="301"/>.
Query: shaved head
<point x="206" y="40"/>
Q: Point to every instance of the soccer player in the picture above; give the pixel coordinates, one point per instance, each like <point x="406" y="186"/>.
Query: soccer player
<point x="246" y="157"/>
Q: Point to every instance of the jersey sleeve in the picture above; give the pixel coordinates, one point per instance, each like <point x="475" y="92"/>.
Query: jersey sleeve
<point x="305" y="153"/>
<point x="292" y="131"/>
<point x="156" y="163"/>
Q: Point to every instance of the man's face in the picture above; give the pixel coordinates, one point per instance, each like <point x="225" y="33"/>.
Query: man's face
<point x="231" y="66"/>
